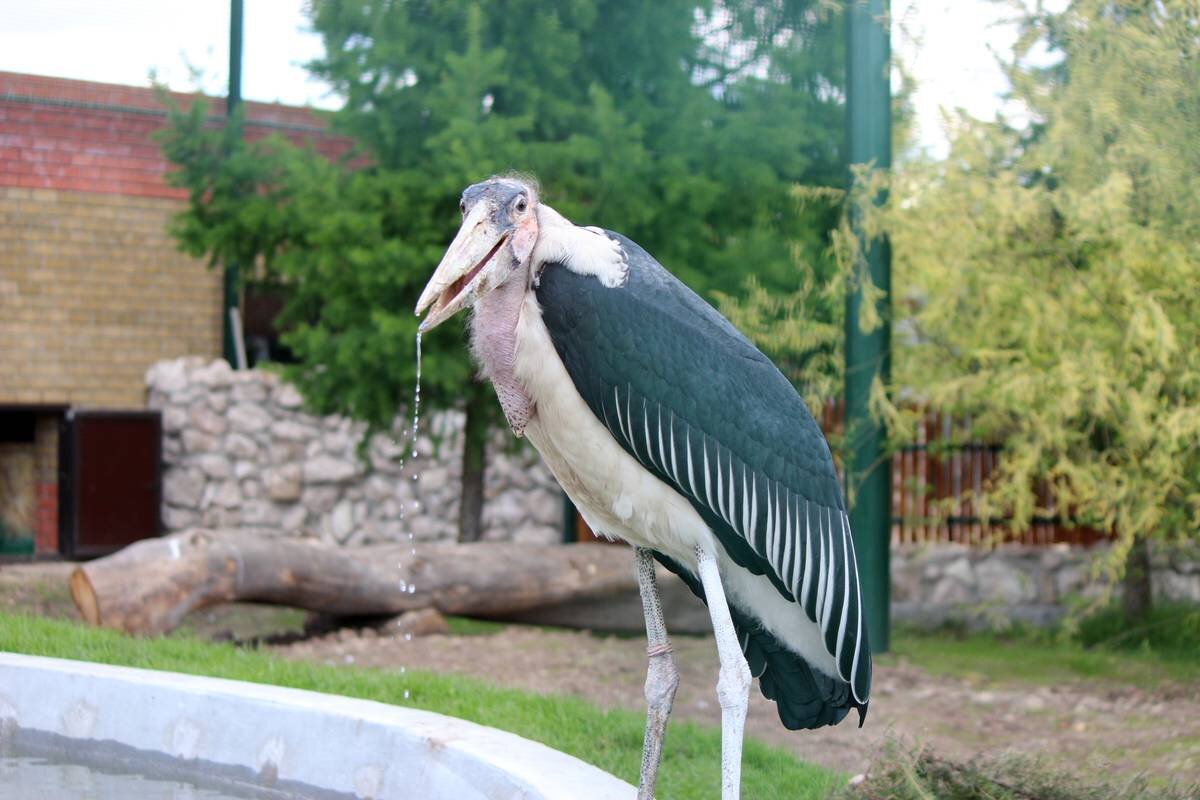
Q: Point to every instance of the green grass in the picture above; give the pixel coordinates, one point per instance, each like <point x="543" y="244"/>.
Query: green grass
<point x="467" y="626"/>
<point x="1170" y="631"/>
<point x="1041" y="658"/>
<point x="611" y="740"/>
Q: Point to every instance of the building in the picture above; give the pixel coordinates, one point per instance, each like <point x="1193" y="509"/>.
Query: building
<point x="92" y="288"/>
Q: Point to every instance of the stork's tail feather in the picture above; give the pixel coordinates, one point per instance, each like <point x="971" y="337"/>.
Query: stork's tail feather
<point x="804" y="697"/>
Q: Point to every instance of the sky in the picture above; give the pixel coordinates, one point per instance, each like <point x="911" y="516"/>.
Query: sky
<point x="949" y="47"/>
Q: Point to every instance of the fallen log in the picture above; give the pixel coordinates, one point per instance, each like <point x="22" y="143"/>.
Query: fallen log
<point x="151" y="585"/>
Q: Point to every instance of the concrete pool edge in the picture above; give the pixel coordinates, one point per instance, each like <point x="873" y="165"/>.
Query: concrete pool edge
<point x="358" y="748"/>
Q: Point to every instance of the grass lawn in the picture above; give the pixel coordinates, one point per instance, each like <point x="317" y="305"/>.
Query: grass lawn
<point x="611" y="740"/>
<point x="1037" y="658"/>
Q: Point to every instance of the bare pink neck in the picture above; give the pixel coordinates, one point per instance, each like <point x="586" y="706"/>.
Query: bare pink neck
<point x="493" y="329"/>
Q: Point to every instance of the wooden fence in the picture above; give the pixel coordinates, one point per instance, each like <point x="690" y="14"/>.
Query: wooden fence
<point x="933" y="477"/>
<point x="940" y="468"/>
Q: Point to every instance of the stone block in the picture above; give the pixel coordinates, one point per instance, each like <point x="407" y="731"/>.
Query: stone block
<point x="214" y="465"/>
<point x="183" y="487"/>
<point x="260" y="512"/>
<point x="241" y="446"/>
<point x="217" y="373"/>
<point x="283" y="483"/>
<point x="285" y="395"/>
<point x="327" y="469"/>
<point x="292" y="431"/>
<point x="248" y="387"/>
<point x="203" y="419"/>
<point x="249" y="418"/>
<point x="292" y="518"/>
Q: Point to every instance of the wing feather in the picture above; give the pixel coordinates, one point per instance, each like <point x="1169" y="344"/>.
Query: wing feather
<point x="768" y="489"/>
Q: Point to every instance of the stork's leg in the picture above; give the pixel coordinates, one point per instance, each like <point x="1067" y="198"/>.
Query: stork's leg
<point x="733" y="685"/>
<point x="661" y="676"/>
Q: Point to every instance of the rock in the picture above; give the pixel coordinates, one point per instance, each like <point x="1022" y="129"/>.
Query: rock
<point x="183" y="487"/>
<point x="248" y="388"/>
<point x="432" y="479"/>
<point x="202" y="418"/>
<point x="248" y="418"/>
<point x="379" y="488"/>
<point x="260" y="512"/>
<point x="1001" y="579"/>
<point x="283" y="483"/>
<point x="292" y="431"/>
<point x="425" y="622"/>
<point x="214" y="465"/>
<point x="505" y="510"/>
<point x="218" y="373"/>
<point x="327" y="469"/>
<point x="338" y="441"/>
<point x="341" y="521"/>
<point x="544" y="507"/>
<point x="960" y="570"/>
<point x="286" y="396"/>
<point x="537" y="534"/>
<point x="174" y="420"/>
<point x="195" y="442"/>
<point x="319" y="499"/>
<point x="239" y="445"/>
<point x="168" y="377"/>
<point x="281" y="452"/>
<point x="227" y="495"/>
<point x="293" y="519"/>
<point x="218" y="401"/>
<point x="177" y="519"/>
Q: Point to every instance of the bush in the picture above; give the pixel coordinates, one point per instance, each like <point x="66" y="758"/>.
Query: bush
<point x="1171" y="630"/>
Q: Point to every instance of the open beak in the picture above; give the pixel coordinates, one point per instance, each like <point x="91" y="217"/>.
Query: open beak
<point x="460" y="278"/>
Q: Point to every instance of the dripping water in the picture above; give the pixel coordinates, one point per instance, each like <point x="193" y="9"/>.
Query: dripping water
<point x="411" y="456"/>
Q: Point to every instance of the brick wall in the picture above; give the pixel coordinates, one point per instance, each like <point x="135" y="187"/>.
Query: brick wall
<point x="45" y="527"/>
<point x="92" y="289"/>
<point x="92" y="292"/>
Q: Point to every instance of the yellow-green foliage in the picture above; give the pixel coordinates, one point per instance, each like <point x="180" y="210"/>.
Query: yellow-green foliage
<point x="1047" y="282"/>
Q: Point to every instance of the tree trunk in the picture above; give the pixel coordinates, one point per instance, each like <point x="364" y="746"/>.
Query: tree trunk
<point x="150" y="586"/>
<point x="474" y="461"/>
<point x="1138" y="588"/>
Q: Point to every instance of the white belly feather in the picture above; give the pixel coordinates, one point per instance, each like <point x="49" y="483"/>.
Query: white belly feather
<point x="619" y="498"/>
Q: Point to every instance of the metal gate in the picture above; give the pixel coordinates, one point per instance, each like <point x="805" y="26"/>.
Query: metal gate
<point x="110" y="480"/>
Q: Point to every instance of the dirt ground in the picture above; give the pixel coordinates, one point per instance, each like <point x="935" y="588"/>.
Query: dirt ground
<point x="1085" y="727"/>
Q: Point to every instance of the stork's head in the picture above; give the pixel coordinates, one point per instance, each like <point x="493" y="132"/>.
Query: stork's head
<point x="493" y="246"/>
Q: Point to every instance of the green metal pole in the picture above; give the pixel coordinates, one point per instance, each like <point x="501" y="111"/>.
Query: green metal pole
<point x="869" y="473"/>
<point x="232" y="280"/>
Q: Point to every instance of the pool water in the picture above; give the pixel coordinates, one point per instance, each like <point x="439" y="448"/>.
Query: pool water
<point x="42" y="778"/>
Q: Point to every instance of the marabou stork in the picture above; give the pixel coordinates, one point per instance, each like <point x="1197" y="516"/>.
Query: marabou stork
<point x="667" y="428"/>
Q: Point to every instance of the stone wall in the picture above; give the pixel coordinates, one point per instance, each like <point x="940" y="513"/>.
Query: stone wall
<point x="239" y="450"/>
<point x="935" y="583"/>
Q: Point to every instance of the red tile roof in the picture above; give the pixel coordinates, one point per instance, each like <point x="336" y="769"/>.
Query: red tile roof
<point x="74" y="135"/>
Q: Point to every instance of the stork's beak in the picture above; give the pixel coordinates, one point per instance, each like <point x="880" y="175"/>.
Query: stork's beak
<point x="467" y="268"/>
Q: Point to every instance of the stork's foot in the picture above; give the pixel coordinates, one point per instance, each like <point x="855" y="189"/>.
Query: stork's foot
<point x="662" y="678"/>
<point x="733" y="684"/>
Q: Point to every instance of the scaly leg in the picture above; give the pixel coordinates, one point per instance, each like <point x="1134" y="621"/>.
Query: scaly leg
<point x="733" y="685"/>
<point x="661" y="676"/>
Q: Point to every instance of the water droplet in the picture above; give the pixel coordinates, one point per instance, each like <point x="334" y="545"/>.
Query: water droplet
<point x="407" y="638"/>
<point x="412" y="589"/>
<point x="406" y="694"/>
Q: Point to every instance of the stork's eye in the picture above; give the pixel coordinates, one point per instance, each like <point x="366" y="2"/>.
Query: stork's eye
<point x="462" y="207"/>
<point x="521" y="204"/>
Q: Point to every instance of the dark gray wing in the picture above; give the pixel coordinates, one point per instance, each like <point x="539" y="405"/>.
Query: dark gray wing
<point x="688" y="396"/>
